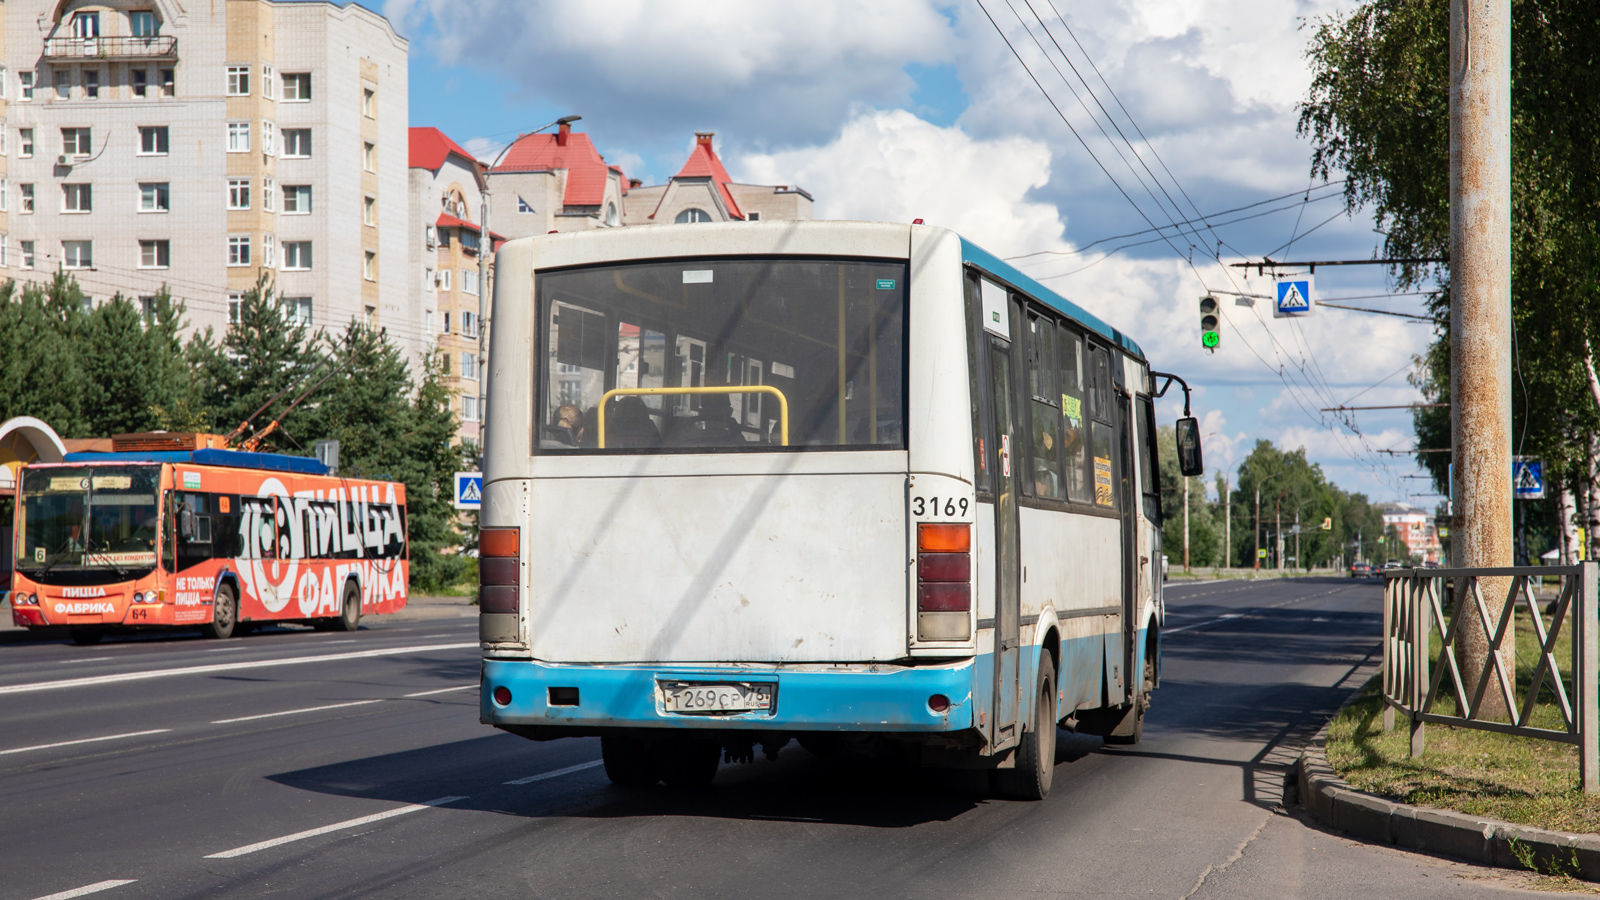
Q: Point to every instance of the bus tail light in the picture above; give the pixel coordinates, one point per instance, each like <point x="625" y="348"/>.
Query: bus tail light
<point x="944" y="581"/>
<point x="498" y="570"/>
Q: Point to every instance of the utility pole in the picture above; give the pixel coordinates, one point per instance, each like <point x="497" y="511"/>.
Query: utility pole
<point x="1186" y="524"/>
<point x="1297" y="560"/>
<point x="1277" y="544"/>
<point x="1480" y="312"/>
<point x="1258" y="528"/>
<point x="1227" y="524"/>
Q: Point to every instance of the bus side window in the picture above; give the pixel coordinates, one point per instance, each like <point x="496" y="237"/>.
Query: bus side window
<point x="225" y="540"/>
<point x="1046" y="408"/>
<point x="1074" y="424"/>
<point x="975" y="392"/>
<point x="1102" y="445"/>
<point x="1149" y="485"/>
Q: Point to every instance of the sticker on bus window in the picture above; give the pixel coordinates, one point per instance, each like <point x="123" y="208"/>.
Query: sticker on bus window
<point x="1005" y="457"/>
<point x="696" y="276"/>
<point x="113" y="482"/>
<point x="1071" y="407"/>
<point x="69" y="483"/>
<point x="191" y="481"/>
<point x="783" y="370"/>
<point x="1102" y="481"/>
<point x="885" y="284"/>
<point x="222" y="503"/>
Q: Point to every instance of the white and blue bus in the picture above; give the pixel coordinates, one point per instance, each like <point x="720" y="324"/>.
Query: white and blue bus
<point x="856" y="484"/>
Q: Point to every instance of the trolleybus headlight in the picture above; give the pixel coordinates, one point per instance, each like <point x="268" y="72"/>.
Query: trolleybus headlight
<point x="138" y="596"/>
<point x="24" y="600"/>
<point x="502" y="695"/>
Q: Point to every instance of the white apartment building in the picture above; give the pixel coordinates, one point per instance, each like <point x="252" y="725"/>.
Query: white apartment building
<point x="199" y="145"/>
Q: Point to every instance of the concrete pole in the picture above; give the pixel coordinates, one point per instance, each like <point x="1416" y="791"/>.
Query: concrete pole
<point x="1227" y="524"/>
<point x="1480" y="314"/>
<point x="1277" y="544"/>
<point x="1186" y="523"/>
<point x="1257" y="561"/>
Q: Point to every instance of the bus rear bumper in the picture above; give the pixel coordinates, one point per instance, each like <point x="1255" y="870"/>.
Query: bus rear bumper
<point x="865" y="698"/>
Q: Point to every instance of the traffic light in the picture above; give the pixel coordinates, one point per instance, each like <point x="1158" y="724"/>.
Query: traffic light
<point x="1210" y="335"/>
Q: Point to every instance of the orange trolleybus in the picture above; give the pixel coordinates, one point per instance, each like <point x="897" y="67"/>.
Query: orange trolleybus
<point x="220" y="539"/>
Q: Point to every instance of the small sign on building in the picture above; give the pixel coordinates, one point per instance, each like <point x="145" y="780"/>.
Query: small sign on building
<point x="469" y="490"/>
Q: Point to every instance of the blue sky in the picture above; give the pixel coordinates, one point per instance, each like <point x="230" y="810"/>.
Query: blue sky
<point x="917" y="108"/>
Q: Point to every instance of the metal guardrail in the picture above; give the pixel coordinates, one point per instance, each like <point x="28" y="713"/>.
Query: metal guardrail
<point x="159" y="46"/>
<point x="1413" y="613"/>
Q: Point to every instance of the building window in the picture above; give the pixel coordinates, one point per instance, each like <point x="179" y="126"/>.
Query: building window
<point x="369" y="265"/>
<point x="5" y="195"/>
<point x="296" y="199"/>
<point x="153" y="140"/>
<point x="75" y="141"/>
<point x="691" y="215"/>
<point x="5" y="250"/>
<point x="444" y="239"/>
<point x="76" y="254"/>
<point x="428" y="282"/>
<point x="469" y="281"/>
<point x="524" y="206"/>
<point x="469" y="366"/>
<point x="297" y="255"/>
<point x="368" y="98"/>
<point x="27" y="198"/>
<point x="444" y="285"/>
<point x="269" y="194"/>
<point x="24" y="142"/>
<point x="238" y="137"/>
<point x="153" y="197"/>
<point x="612" y="218"/>
<point x="155" y="254"/>
<point x="369" y="157"/>
<point x="27" y="254"/>
<point x="239" y="250"/>
<point x="427" y="321"/>
<point x="269" y="86"/>
<point x="469" y="241"/>
<point x="3" y="131"/>
<point x="139" y="80"/>
<point x="63" y="78"/>
<point x="296" y="87"/>
<point x="147" y="309"/>
<point x="446" y="330"/>
<point x="297" y="143"/>
<point x="169" y="86"/>
<point x="27" y="84"/>
<point x="142" y="23"/>
<point x="369" y="211"/>
<point x="430" y="234"/>
<point x="85" y="25"/>
<point x="267" y="133"/>
<point x="469" y="408"/>
<point x="238" y="193"/>
<point x="299" y="309"/>
<point x="91" y="84"/>
<point x="268" y="251"/>
<point x="753" y="217"/>
<point x="469" y="324"/>
<point x="77" y="198"/>
<point x="235" y="301"/>
<point x="238" y="81"/>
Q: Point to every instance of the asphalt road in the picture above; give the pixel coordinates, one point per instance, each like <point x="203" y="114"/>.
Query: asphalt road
<point x="311" y="765"/>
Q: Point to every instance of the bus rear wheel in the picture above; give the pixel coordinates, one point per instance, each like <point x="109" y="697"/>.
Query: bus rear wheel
<point x="1036" y="755"/>
<point x="628" y="761"/>
<point x="1131" y="729"/>
<point x="688" y="762"/>
<point x="224" y="613"/>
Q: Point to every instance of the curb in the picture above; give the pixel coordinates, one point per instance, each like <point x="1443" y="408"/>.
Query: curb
<point x="1334" y="803"/>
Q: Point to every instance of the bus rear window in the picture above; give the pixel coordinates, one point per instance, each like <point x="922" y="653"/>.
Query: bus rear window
<point x="719" y="355"/>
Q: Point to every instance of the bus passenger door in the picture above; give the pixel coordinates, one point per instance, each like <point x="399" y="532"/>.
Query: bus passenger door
<point x="1131" y="545"/>
<point x="1001" y="434"/>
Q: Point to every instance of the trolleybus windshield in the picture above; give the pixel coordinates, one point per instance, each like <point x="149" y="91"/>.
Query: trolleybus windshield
<point x="98" y="522"/>
<point x="722" y="354"/>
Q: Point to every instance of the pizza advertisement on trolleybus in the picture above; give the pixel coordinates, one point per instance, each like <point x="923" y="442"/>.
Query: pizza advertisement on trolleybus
<point x="860" y="485"/>
<point x="215" y="539"/>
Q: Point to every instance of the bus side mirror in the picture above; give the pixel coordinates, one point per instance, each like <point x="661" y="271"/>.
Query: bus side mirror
<point x="186" y="523"/>
<point x="1189" y="460"/>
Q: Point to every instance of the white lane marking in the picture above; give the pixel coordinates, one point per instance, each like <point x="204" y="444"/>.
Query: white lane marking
<point x="567" y="771"/>
<point x="337" y="826"/>
<point x="225" y="667"/>
<point x="93" y="740"/>
<point x="342" y="641"/>
<point x="63" y="662"/>
<point x="459" y="687"/>
<point x="294" y="712"/>
<point x="1223" y="618"/>
<point x="87" y="889"/>
<point x="225" y="649"/>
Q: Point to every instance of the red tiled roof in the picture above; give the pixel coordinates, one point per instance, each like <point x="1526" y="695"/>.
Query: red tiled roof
<point x="703" y="162"/>
<point x="430" y="147"/>
<point x="446" y="220"/>
<point x="587" y="171"/>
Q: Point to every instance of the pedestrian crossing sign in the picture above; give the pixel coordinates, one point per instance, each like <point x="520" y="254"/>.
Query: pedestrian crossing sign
<point x="469" y="490"/>
<point x="1293" y="295"/>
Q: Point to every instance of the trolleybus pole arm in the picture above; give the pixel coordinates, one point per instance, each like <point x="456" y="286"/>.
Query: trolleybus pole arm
<point x="1170" y="378"/>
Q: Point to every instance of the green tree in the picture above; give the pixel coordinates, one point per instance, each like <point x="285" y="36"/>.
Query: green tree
<point x="133" y="364"/>
<point x="265" y="354"/>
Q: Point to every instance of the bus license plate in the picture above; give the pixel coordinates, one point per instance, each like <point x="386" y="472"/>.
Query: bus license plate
<point x="716" y="698"/>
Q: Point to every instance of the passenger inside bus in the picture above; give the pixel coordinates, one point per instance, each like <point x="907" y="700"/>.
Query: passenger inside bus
<point x="628" y="424"/>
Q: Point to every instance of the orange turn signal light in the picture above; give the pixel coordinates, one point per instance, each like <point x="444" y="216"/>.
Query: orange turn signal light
<point x="939" y="537"/>
<point x="499" y="542"/>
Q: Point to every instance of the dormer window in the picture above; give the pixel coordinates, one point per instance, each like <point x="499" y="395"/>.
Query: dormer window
<point x="85" y="25"/>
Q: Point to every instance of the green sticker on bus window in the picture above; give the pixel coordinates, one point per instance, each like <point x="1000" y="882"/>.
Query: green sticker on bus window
<point x="885" y="284"/>
<point x="1071" y="407"/>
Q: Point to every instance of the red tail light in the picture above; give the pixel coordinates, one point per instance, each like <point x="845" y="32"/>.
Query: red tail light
<point x="944" y="567"/>
<point x="498" y="569"/>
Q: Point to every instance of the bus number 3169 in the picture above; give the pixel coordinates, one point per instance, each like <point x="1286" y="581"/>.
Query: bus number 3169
<point x="929" y="506"/>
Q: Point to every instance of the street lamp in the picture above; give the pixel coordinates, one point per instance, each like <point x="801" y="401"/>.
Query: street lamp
<point x="485" y="247"/>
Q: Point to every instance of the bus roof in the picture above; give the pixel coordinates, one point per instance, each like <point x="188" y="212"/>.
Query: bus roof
<point x="974" y="255"/>
<point x="239" y="459"/>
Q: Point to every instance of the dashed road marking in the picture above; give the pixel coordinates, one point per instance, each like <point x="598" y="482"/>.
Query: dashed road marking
<point x="459" y="687"/>
<point x="326" y="829"/>
<point x="93" y="740"/>
<point x="87" y="889"/>
<point x="1222" y="618"/>
<point x="293" y="712"/>
<point x="567" y="771"/>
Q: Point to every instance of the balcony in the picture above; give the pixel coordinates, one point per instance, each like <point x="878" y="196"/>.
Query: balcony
<point x="161" y="46"/>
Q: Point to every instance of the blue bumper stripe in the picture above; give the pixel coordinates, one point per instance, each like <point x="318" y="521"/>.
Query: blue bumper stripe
<point x="881" y="698"/>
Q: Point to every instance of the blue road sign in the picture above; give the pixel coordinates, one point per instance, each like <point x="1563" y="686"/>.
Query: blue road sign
<point x="1527" y="479"/>
<point x="1294" y="296"/>
<point x="469" y="490"/>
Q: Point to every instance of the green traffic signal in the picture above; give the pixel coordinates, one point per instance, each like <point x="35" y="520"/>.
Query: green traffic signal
<point x="1210" y="339"/>
<point x="1210" y="333"/>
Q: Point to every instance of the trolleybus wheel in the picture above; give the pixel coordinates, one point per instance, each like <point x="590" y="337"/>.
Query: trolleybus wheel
<point x="224" y="612"/>
<point x="688" y="762"/>
<point x="628" y="761"/>
<point x="1036" y="754"/>
<point x="350" y="618"/>
<point x="85" y="635"/>
<point x="1131" y="729"/>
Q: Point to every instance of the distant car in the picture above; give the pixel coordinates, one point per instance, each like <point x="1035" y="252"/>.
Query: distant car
<point x="1360" y="570"/>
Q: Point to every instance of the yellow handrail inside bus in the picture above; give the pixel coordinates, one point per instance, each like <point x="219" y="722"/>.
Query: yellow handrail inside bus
<point x="783" y="402"/>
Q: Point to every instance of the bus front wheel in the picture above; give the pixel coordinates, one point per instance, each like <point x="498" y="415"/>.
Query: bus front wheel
<point x="1036" y="755"/>
<point x="224" y="612"/>
<point x="628" y="761"/>
<point x="350" y="616"/>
